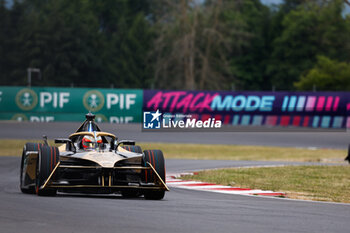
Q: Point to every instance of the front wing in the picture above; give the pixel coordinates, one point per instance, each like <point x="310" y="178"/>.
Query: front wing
<point x="73" y="177"/>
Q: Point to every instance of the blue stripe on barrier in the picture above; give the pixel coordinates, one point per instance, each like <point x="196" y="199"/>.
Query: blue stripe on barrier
<point x="301" y="103"/>
<point x="235" y="120"/>
<point x="337" y="122"/>
<point x="257" y="120"/>
<point x="326" y="121"/>
<point x="245" y="120"/>
<point x="292" y="103"/>
<point x="285" y="103"/>
<point x="315" y="121"/>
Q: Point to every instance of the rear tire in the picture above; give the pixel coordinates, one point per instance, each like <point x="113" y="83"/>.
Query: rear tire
<point x="23" y="176"/>
<point x="136" y="149"/>
<point x="47" y="160"/>
<point x="156" y="159"/>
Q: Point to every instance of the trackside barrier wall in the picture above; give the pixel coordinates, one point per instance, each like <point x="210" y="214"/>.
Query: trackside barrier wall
<point x="302" y="109"/>
<point x="70" y="104"/>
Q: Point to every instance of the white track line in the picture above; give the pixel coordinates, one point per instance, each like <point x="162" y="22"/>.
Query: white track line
<point x="173" y="181"/>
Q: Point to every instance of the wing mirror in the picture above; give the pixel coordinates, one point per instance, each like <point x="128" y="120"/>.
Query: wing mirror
<point x="62" y="140"/>
<point x="69" y="144"/>
<point x="126" y="142"/>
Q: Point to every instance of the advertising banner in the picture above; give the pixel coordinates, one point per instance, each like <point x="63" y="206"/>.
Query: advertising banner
<point x="301" y="109"/>
<point x="70" y="104"/>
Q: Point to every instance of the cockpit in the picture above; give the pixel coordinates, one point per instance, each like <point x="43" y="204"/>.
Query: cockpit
<point x="91" y="143"/>
<point x="89" y="136"/>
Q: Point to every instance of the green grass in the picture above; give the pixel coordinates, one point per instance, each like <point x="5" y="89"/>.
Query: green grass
<point x="235" y="152"/>
<point x="321" y="183"/>
<point x="222" y="152"/>
<point x="14" y="147"/>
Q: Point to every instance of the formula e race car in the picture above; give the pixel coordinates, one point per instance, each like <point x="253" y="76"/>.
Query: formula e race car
<point x="94" y="162"/>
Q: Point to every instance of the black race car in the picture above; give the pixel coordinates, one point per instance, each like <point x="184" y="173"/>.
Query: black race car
<point x="92" y="161"/>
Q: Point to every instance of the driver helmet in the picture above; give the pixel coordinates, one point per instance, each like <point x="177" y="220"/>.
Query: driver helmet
<point x="90" y="142"/>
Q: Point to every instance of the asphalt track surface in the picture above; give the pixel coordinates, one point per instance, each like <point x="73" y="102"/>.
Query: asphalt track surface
<point x="181" y="210"/>
<point x="323" y="139"/>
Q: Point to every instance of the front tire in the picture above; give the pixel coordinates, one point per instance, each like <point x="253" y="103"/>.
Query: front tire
<point x="24" y="178"/>
<point x="156" y="159"/>
<point x="47" y="160"/>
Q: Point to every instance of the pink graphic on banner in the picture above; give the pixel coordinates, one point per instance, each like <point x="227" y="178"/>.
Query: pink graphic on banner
<point x="176" y="100"/>
<point x="336" y="103"/>
<point x="310" y="104"/>
<point x="320" y="103"/>
<point x="329" y="103"/>
<point x="255" y="108"/>
<point x="185" y="103"/>
<point x="348" y="122"/>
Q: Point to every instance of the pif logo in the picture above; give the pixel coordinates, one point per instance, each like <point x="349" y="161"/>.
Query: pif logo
<point x="151" y="120"/>
<point x="93" y="100"/>
<point x="26" y="99"/>
<point x="19" y="117"/>
<point x="101" y="118"/>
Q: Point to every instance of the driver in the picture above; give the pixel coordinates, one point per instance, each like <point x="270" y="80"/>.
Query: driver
<point x="89" y="142"/>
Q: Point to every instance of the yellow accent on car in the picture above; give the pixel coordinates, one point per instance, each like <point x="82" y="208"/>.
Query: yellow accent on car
<point x="31" y="165"/>
<point x="92" y="134"/>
